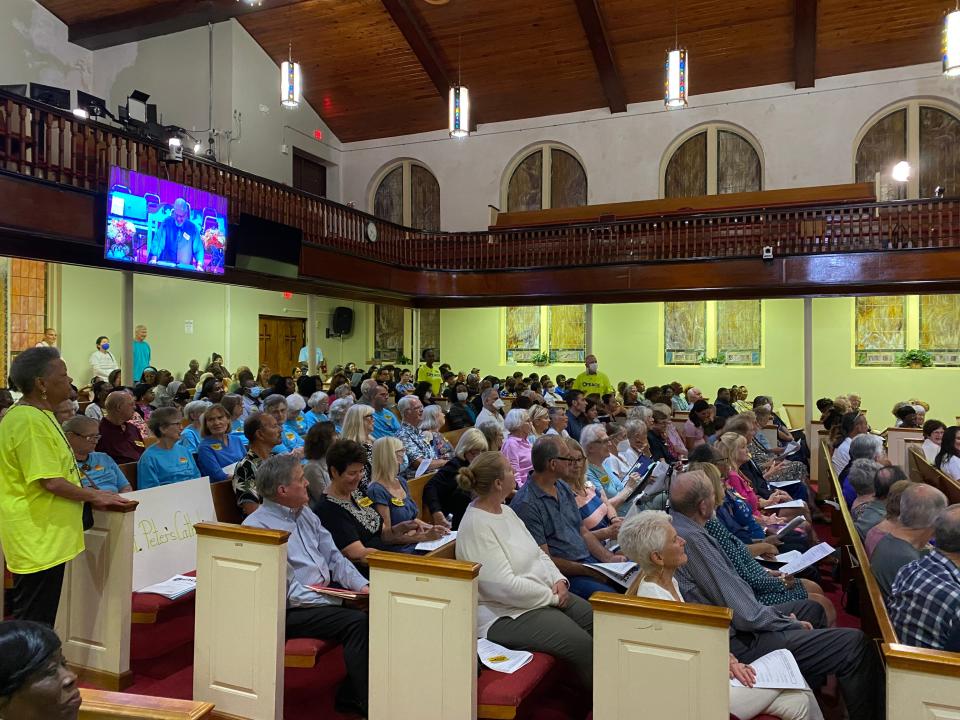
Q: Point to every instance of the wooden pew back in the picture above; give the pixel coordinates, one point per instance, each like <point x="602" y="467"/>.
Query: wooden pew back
<point x="925" y="472"/>
<point x="897" y="445"/>
<point x="129" y="471"/>
<point x="105" y="705"/>
<point x="225" y="502"/>
<point x="415" y="488"/>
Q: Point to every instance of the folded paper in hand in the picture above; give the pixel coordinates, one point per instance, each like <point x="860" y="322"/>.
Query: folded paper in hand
<point x="811" y="556"/>
<point x="496" y="657"/>
<point x="790" y="448"/>
<point x="422" y="467"/>
<point x="229" y="469"/>
<point x="788" y="504"/>
<point x="782" y="483"/>
<point x="429" y="545"/>
<point x="177" y="586"/>
<point x="777" y="670"/>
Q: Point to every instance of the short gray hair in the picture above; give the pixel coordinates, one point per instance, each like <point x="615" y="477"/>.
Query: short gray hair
<point x="589" y="434"/>
<point x="275" y="472"/>
<point x="866" y="446"/>
<point x="318" y="397"/>
<point x="343" y="391"/>
<point x="635" y="426"/>
<point x="338" y="410"/>
<point x="640" y="412"/>
<point x="919" y="506"/>
<point x="643" y="534"/>
<point x="295" y="403"/>
<point x="556" y="410"/>
<point x="472" y="440"/>
<point x="405" y="402"/>
<point x="431" y="417"/>
<point x="195" y="408"/>
<point x="78" y="423"/>
<point x="486" y="394"/>
<point x="368" y="388"/>
<point x="31" y="364"/>
<point x="273" y="400"/>
<point x="861" y="475"/>
<point x="946" y="529"/>
<point x="514" y="419"/>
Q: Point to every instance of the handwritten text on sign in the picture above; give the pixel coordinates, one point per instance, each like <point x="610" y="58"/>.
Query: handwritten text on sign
<point x="165" y="543"/>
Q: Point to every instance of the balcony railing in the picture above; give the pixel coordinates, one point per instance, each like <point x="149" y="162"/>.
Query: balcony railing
<point x="49" y="144"/>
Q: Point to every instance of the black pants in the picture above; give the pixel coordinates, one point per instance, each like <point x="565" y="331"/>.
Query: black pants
<point x="37" y="595"/>
<point x="347" y="627"/>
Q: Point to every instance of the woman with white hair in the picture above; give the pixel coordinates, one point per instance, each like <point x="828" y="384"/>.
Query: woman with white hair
<point x="318" y="403"/>
<point x="650" y="540"/>
<point x="190" y="436"/>
<point x="358" y="426"/>
<point x="516" y="448"/>
<point x="430" y="424"/>
<point x="596" y="446"/>
<point x="338" y="411"/>
<point x="295" y="421"/>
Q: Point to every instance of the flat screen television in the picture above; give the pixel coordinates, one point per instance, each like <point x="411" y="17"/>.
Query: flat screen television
<point x="164" y="224"/>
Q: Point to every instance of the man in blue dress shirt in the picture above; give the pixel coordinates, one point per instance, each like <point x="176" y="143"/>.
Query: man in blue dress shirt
<point x="313" y="559"/>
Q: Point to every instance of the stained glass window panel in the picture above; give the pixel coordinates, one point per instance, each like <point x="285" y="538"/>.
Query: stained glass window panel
<point x="388" y="332"/>
<point x="568" y="333"/>
<point x="884" y="145"/>
<point x="739" y="330"/>
<point x="880" y="330"/>
<point x="522" y="333"/>
<point x="940" y="328"/>
<point x="738" y="164"/>
<point x="939" y="152"/>
<point x="686" y="174"/>
<point x="388" y="201"/>
<point x="430" y="331"/>
<point x="525" y="191"/>
<point x="684" y="332"/>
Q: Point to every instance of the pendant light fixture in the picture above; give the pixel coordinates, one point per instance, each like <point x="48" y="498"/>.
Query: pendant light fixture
<point x="290" y="81"/>
<point x="676" y="83"/>
<point x="459" y="105"/>
<point x="951" y="43"/>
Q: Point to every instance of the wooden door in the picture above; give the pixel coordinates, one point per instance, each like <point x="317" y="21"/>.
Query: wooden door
<point x="309" y="173"/>
<point x="280" y="341"/>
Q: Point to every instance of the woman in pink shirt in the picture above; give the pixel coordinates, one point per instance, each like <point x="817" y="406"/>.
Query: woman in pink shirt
<point x="732" y="448"/>
<point x="516" y="448"/>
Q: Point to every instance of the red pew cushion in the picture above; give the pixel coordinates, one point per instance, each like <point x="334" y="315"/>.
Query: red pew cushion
<point x="503" y="689"/>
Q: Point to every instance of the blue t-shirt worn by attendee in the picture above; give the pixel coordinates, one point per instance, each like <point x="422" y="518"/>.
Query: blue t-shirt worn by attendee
<point x="401" y="510"/>
<point x="141" y="359"/>
<point x="298" y="425"/>
<point x="215" y="454"/>
<point x="385" y="424"/>
<point x="236" y="432"/>
<point x="311" y="418"/>
<point x="304" y="354"/>
<point x="289" y="440"/>
<point x="190" y="438"/>
<point x="164" y="467"/>
<point x="102" y="471"/>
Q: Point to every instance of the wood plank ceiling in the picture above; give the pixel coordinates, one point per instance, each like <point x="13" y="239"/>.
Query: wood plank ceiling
<point x="365" y="74"/>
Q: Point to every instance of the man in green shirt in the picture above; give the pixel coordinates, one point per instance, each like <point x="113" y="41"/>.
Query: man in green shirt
<point x="428" y="373"/>
<point x="592" y="381"/>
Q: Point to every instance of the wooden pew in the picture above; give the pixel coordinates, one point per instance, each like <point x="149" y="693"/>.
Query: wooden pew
<point x="922" y="471"/>
<point x="770" y="434"/>
<point x="225" y="502"/>
<point x="415" y="488"/>
<point x="94" y="615"/>
<point x="680" y="649"/>
<point x="129" y="471"/>
<point x="819" y="470"/>
<point x="795" y="416"/>
<point x="921" y="683"/>
<point x="453" y="436"/>
<point x="105" y="705"/>
<point x="897" y="439"/>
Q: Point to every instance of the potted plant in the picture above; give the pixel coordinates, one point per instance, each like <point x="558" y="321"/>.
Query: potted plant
<point x="915" y="359"/>
<point x="540" y="359"/>
<point x="720" y="359"/>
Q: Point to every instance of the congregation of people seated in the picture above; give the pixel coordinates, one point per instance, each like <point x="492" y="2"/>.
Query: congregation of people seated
<point x="166" y="461"/>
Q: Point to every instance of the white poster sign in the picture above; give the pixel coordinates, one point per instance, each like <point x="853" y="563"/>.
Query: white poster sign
<point x="164" y="541"/>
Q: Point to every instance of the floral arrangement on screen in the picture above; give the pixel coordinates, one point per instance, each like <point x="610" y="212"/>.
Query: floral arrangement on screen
<point x="120" y="233"/>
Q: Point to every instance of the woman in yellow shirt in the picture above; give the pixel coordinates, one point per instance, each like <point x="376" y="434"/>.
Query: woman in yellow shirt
<point x="41" y="489"/>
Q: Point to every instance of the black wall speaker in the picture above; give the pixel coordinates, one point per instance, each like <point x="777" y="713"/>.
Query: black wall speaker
<point x="342" y="323"/>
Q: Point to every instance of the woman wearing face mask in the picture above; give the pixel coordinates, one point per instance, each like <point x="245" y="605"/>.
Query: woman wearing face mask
<point x="35" y="681"/>
<point x="102" y="361"/>
<point x="461" y="414"/>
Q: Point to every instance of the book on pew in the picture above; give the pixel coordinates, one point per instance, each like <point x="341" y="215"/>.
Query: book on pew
<point x="621" y="573"/>
<point x="430" y="545"/>
<point x="777" y="670"/>
<point x="782" y="483"/>
<point x="784" y="505"/>
<point x="339" y="592"/>
<point x="177" y="586"/>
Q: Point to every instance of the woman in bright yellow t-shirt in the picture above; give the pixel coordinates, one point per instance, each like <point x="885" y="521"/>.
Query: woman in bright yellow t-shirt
<point x="41" y="491"/>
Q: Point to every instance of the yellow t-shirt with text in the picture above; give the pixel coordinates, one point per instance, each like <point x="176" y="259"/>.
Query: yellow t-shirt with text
<point x="596" y="383"/>
<point x="430" y="375"/>
<point x="38" y="530"/>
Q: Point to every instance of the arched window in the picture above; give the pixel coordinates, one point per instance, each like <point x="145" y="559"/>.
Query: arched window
<point x="408" y="194"/>
<point x="926" y="134"/>
<point x="714" y="159"/>
<point x="543" y="177"/>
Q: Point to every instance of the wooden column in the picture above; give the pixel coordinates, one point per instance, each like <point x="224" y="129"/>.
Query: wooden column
<point x="93" y="619"/>
<point x="681" y="649"/>
<point x="240" y="619"/>
<point x="429" y="607"/>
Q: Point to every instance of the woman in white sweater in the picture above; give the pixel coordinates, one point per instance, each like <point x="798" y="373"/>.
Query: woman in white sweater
<point x="524" y="603"/>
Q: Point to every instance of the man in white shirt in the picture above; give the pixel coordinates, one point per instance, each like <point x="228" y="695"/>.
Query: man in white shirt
<point x="102" y="361"/>
<point x="491" y="409"/>
<point x="49" y="338"/>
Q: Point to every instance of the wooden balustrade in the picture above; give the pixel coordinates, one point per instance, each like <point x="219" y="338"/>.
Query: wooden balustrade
<point x="45" y="143"/>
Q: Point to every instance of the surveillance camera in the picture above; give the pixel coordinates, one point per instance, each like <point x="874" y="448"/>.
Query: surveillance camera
<point x="767" y="252"/>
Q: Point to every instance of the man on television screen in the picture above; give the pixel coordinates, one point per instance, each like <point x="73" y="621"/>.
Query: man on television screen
<point x="178" y="239"/>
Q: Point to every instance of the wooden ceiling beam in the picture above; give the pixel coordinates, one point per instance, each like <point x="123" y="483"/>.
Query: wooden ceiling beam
<point x="162" y="19"/>
<point x="414" y="33"/>
<point x="804" y="43"/>
<point x="593" y="28"/>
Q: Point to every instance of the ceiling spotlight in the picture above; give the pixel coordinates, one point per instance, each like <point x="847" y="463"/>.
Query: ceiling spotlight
<point x="251" y="3"/>
<point x="197" y="147"/>
<point x="81" y="113"/>
<point x="174" y="149"/>
<point x="901" y="171"/>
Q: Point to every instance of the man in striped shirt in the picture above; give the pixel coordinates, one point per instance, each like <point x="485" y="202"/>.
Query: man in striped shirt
<point x="925" y="598"/>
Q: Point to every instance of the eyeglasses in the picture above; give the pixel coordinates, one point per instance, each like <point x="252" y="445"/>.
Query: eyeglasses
<point x="568" y="459"/>
<point x="91" y="438"/>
